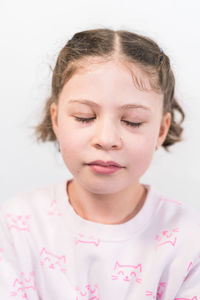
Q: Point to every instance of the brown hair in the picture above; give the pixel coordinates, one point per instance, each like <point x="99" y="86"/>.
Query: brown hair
<point x="107" y="44"/>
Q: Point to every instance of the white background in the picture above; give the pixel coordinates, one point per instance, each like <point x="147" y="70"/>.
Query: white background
<point x="31" y="35"/>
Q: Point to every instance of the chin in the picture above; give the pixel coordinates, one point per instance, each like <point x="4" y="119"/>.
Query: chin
<point x="102" y="186"/>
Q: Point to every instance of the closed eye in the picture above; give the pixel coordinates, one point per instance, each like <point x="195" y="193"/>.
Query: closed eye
<point x="87" y="120"/>
<point x="132" y="124"/>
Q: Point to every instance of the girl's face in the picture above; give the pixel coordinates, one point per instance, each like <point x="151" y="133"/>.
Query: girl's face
<point x="127" y="135"/>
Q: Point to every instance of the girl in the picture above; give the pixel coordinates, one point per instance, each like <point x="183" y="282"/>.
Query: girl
<point x="102" y="234"/>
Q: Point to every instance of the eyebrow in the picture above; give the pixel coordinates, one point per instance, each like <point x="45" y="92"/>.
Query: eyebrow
<point x="123" y="107"/>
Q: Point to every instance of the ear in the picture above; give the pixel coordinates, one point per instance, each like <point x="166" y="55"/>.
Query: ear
<point x="54" y="117"/>
<point x="164" y="128"/>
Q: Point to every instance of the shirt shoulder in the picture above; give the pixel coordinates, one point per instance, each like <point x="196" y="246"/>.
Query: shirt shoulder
<point x="168" y="210"/>
<point x="177" y="212"/>
<point x="33" y="200"/>
<point x="177" y="223"/>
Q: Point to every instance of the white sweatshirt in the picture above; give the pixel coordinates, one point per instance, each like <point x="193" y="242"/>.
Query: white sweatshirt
<point x="48" y="252"/>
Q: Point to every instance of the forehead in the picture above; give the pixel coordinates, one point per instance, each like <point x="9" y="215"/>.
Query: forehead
<point x="110" y="82"/>
<point x="144" y="77"/>
<point x="115" y="69"/>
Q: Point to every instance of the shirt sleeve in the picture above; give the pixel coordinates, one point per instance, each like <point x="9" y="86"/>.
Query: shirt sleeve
<point x="190" y="288"/>
<point x="9" y="268"/>
<point x="16" y="279"/>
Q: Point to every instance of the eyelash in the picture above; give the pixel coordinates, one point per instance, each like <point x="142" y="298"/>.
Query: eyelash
<point x="87" y="120"/>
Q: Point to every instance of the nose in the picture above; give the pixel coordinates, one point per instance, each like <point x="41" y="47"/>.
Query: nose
<point x="106" y="135"/>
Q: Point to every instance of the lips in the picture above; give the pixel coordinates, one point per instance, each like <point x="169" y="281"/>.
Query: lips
<point x="105" y="164"/>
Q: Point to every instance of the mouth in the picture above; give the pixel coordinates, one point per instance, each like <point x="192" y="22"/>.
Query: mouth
<point x="104" y="170"/>
<point x="105" y="164"/>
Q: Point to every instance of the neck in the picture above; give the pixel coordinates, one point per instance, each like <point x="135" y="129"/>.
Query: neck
<point x="106" y="209"/>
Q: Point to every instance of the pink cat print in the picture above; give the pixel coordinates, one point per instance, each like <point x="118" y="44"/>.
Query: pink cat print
<point x="87" y="293"/>
<point x="188" y="269"/>
<point x="52" y="261"/>
<point x="53" y="209"/>
<point x="167" y="237"/>
<point x="22" y="285"/>
<point x="127" y="272"/>
<point x="81" y="238"/>
<point x="160" y="291"/>
<point x="18" y="222"/>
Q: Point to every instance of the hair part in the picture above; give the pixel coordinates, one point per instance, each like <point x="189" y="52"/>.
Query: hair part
<point x="99" y="45"/>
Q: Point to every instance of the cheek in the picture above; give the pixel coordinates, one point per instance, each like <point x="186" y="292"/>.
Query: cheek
<point x="141" y="149"/>
<point x="70" y="144"/>
<point x="143" y="142"/>
<point x="70" y="152"/>
<point x="68" y="137"/>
